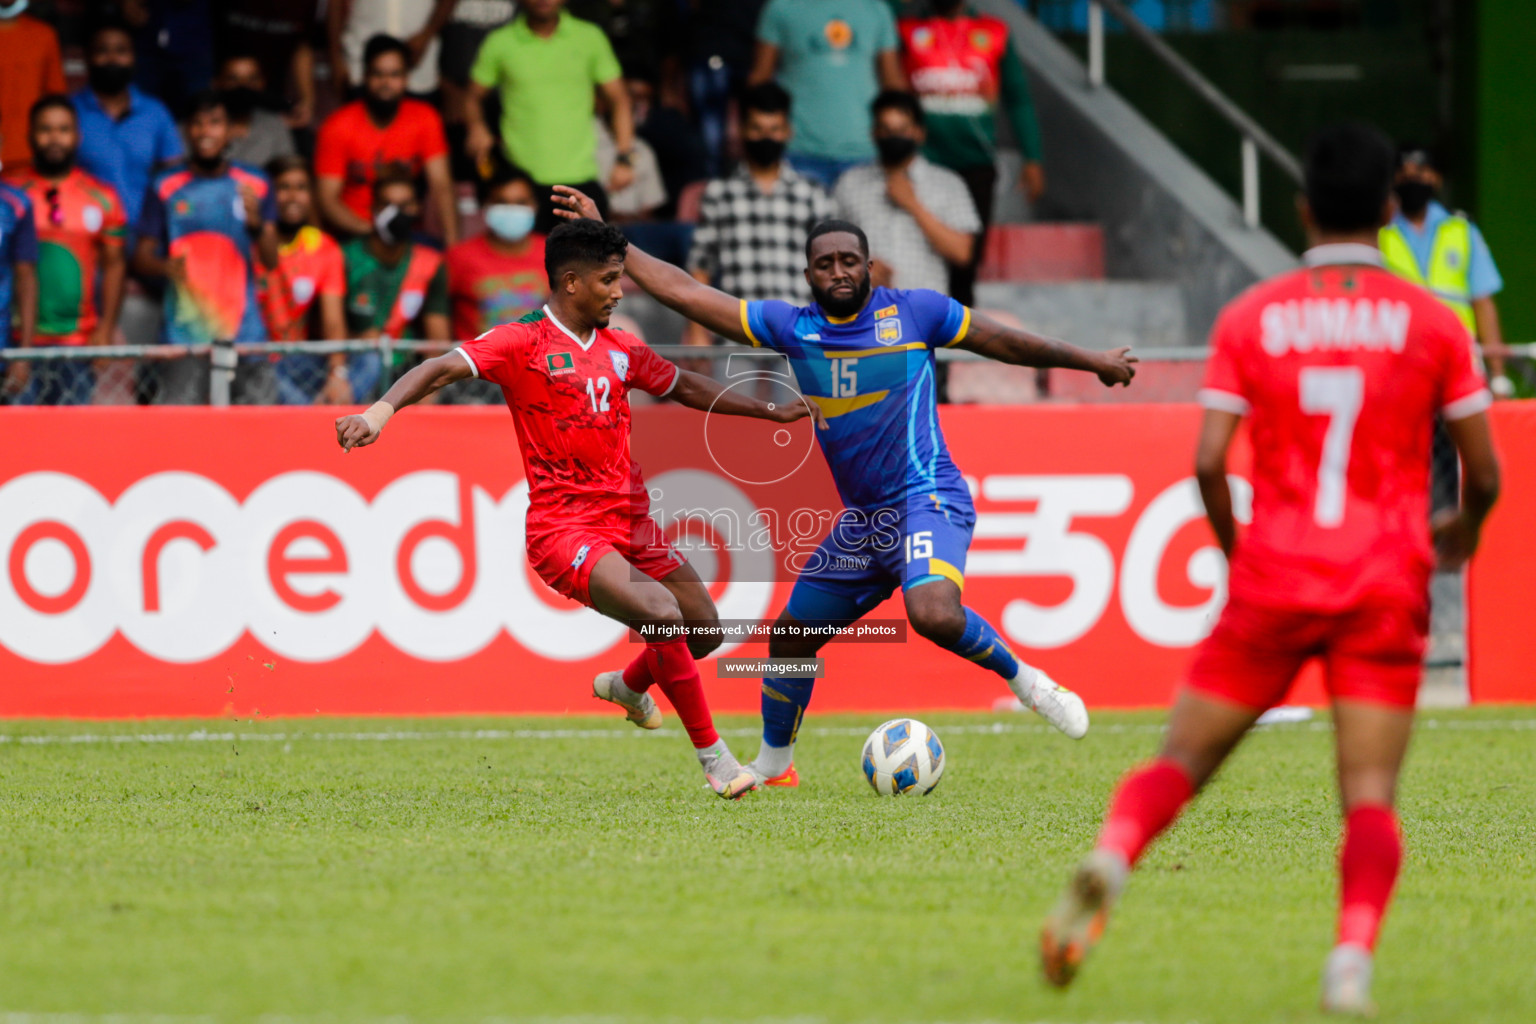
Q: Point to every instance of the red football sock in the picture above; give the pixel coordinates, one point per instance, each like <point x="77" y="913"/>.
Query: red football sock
<point x="675" y="672"/>
<point x="1148" y="801"/>
<point x="1368" y="866"/>
<point x="637" y="674"/>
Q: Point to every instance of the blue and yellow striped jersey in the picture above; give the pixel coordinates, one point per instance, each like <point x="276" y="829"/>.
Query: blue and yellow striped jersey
<point x="872" y="375"/>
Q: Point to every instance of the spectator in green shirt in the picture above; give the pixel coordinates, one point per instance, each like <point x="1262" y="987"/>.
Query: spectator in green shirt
<point x="545" y="65"/>
<point x="396" y="286"/>
<point x="833" y="57"/>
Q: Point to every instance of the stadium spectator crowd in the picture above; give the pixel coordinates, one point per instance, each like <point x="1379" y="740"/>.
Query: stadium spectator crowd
<point x="310" y="170"/>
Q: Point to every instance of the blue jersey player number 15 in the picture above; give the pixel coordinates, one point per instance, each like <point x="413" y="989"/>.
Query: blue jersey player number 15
<point x="865" y="357"/>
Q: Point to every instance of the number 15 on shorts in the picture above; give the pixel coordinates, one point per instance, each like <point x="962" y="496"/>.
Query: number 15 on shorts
<point x="919" y="545"/>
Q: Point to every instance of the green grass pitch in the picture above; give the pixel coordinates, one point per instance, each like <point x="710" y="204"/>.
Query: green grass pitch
<point x="574" y="868"/>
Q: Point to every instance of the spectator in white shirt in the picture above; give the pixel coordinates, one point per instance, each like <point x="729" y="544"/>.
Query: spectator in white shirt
<point x="351" y="23"/>
<point x="919" y="216"/>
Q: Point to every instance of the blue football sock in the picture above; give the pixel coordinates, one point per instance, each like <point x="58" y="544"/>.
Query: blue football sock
<point x="983" y="645"/>
<point x="784" y="702"/>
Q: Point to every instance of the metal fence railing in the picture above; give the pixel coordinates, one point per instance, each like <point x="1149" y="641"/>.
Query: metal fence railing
<point x="359" y="371"/>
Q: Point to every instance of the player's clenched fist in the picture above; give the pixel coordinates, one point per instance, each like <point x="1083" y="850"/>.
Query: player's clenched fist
<point x="1119" y="366"/>
<point x="355" y="432"/>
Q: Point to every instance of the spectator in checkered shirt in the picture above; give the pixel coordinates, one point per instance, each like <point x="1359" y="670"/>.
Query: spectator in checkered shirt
<point x="750" y="239"/>
<point x="919" y="216"/>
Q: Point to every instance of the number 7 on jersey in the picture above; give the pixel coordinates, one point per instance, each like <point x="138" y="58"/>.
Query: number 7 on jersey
<point x="1338" y="393"/>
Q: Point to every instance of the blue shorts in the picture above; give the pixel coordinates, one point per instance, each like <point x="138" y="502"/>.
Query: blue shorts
<point x="868" y="554"/>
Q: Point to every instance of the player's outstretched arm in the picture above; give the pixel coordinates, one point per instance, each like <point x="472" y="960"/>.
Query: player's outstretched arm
<point x="671" y="286"/>
<point x="1216" y="432"/>
<point x="362" y="429"/>
<point x="1022" y="348"/>
<point x="1457" y="533"/>
<point x="697" y="391"/>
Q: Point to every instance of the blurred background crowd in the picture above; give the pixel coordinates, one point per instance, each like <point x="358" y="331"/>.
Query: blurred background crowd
<point x="289" y="170"/>
<point x="183" y="172"/>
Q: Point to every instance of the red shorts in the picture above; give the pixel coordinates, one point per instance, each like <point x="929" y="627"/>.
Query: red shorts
<point x="564" y="558"/>
<point x="1372" y="652"/>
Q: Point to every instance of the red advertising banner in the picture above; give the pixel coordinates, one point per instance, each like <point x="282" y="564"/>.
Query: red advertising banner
<point x="170" y="562"/>
<point x="1501" y="645"/>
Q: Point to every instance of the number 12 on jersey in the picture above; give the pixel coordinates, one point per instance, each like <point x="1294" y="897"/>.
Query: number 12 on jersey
<point x="599" y="402"/>
<point x="1338" y="393"/>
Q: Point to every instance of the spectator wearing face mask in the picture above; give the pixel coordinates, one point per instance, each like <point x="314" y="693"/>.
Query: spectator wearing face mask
<point x="919" y="216"/>
<point x="278" y="34"/>
<point x="257" y="135"/>
<point x="80" y="229"/>
<point x="303" y="297"/>
<point x="380" y="128"/>
<point x="203" y="230"/>
<point x="396" y="287"/>
<point x="750" y="239"/>
<point x="1444" y="251"/>
<point x="498" y="277"/>
<point x="126" y="135"/>
<point x="30" y="67"/>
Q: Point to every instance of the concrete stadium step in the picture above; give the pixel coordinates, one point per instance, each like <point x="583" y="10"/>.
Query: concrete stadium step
<point x="1146" y="315"/>
<point x="1043" y="252"/>
<point x="1096" y="314"/>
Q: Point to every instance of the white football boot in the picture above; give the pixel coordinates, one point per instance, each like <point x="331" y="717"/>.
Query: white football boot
<point x="1081" y="915"/>
<point x="1051" y="701"/>
<point x="641" y="710"/>
<point x="1347" y="982"/>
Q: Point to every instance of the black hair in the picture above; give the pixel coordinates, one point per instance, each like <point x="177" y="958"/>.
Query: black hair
<point x="897" y="99"/>
<point x="503" y="172"/>
<point x="764" y="98"/>
<point x="107" y="21"/>
<point x="208" y="99"/>
<point x="393" y="173"/>
<point x="281" y="165"/>
<point x="1418" y="153"/>
<point x="1349" y="176"/>
<point x="234" y="55"/>
<point x="834" y="227"/>
<point x="380" y="44"/>
<point x="52" y="101"/>
<point x="581" y="243"/>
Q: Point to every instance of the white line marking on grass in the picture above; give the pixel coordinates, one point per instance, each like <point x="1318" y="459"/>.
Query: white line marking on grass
<point x="406" y="736"/>
<point x="281" y="1018"/>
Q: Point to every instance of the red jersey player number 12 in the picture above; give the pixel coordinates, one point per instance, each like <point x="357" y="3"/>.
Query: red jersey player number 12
<point x="566" y="375"/>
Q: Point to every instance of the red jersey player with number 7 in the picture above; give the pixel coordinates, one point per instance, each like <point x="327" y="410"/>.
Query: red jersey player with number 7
<point x="566" y="376"/>
<point x="1340" y="369"/>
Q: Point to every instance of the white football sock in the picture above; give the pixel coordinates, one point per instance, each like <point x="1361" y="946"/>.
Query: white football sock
<point x="773" y="761"/>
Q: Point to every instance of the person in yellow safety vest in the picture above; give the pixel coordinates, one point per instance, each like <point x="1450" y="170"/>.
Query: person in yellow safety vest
<point x="1444" y="251"/>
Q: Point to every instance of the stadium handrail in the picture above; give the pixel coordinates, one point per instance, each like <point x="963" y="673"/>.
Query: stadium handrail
<point x="1255" y="138"/>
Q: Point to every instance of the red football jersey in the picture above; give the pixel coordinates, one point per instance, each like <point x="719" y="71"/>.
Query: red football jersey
<point x="1341" y="368"/>
<point x="570" y="400"/>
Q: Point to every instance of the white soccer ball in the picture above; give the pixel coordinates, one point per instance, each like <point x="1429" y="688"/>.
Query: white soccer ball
<point x="903" y="756"/>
